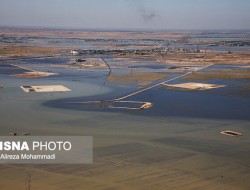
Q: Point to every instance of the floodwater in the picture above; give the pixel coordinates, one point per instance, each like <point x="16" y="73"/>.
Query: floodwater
<point x="176" y="144"/>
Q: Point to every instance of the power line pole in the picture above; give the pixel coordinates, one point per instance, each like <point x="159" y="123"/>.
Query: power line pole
<point x="28" y="181"/>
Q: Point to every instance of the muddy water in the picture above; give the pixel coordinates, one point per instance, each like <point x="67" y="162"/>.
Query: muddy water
<point x="175" y="144"/>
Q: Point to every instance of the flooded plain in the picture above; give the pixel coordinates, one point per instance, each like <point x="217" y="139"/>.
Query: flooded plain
<point x="175" y="144"/>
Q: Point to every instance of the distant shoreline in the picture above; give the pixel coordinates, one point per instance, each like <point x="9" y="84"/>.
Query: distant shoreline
<point x="37" y="28"/>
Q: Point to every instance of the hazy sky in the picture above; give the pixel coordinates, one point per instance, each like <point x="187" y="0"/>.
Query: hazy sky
<point x="127" y="14"/>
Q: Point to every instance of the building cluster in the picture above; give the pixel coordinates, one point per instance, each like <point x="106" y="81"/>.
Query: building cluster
<point x="135" y="51"/>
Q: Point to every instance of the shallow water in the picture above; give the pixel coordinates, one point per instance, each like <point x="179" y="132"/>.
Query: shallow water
<point x="176" y="143"/>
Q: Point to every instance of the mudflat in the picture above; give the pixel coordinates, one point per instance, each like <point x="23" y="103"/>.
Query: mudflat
<point x="191" y="96"/>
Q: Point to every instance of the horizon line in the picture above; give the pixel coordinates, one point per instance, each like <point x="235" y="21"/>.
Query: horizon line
<point x="114" y="29"/>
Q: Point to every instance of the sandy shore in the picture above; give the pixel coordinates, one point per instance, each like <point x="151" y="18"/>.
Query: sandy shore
<point x="139" y="78"/>
<point x="219" y="74"/>
<point x="18" y="50"/>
